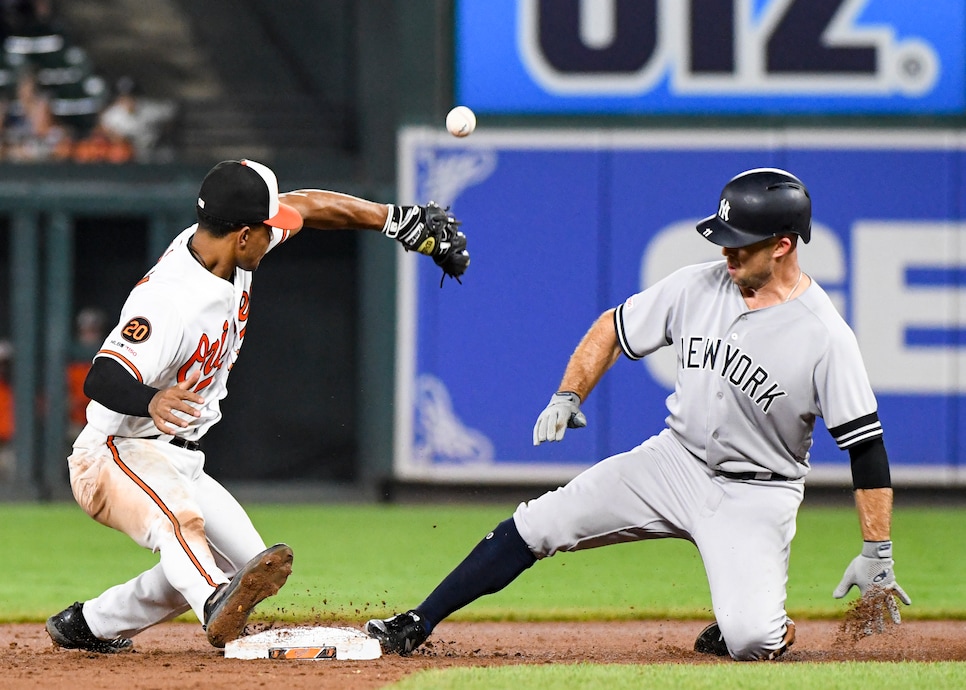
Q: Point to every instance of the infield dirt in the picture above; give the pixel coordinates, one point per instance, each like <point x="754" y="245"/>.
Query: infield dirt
<point x="177" y="655"/>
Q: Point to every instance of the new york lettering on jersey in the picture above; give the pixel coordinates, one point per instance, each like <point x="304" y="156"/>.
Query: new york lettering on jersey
<point x="733" y="365"/>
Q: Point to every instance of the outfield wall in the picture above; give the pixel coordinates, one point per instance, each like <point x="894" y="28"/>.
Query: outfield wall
<point x="564" y="224"/>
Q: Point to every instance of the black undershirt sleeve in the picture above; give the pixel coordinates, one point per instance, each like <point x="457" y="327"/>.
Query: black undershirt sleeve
<point x="870" y="465"/>
<point x="110" y="384"/>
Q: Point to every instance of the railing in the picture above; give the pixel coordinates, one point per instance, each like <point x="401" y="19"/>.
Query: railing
<point x="42" y="217"/>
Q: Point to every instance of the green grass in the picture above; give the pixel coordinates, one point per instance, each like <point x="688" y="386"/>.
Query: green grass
<point x="353" y="562"/>
<point x="805" y="676"/>
<point x="356" y="561"/>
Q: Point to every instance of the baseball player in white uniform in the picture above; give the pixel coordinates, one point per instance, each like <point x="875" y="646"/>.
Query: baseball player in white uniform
<point x="157" y="384"/>
<point x="761" y="353"/>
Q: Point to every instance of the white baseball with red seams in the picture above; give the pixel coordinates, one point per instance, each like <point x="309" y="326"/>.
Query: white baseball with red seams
<point x="461" y="121"/>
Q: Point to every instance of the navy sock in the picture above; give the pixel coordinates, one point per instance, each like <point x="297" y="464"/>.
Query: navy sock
<point x="495" y="562"/>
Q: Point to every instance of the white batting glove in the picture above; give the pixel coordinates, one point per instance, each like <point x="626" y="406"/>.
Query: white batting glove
<point x="872" y="571"/>
<point x="562" y="412"/>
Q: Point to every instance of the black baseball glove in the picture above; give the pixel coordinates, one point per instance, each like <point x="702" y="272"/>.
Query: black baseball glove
<point x="432" y="231"/>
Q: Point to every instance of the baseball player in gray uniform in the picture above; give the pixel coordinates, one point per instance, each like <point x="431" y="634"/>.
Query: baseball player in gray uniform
<point x="761" y="353"/>
<point x="156" y="385"/>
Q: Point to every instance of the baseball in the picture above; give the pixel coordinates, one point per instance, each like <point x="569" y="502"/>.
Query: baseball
<point x="461" y="121"/>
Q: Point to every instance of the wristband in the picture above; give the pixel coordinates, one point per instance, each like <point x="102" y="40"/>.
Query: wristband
<point x="569" y="395"/>
<point x="877" y="549"/>
<point x="388" y="223"/>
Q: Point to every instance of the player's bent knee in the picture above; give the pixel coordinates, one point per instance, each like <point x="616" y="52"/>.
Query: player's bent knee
<point x="754" y="643"/>
<point x="540" y="544"/>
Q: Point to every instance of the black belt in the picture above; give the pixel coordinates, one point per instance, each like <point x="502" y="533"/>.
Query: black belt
<point x="760" y="476"/>
<point x="181" y="443"/>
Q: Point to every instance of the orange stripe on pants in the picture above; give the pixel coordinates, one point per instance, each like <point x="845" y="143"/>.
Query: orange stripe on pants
<point x="175" y="524"/>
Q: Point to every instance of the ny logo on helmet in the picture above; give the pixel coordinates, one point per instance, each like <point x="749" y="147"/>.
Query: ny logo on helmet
<point x="723" y="209"/>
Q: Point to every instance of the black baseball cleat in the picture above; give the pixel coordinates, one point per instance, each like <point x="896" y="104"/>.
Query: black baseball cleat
<point x="69" y="629"/>
<point x="400" y="634"/>
<point x="710" y="641"/>
<point x="228" y="608"/>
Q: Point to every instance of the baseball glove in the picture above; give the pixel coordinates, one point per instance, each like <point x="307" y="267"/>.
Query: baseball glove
<point x="432" y="231"/>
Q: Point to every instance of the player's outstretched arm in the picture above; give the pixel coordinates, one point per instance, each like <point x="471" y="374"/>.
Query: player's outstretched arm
<point x="429" y="229"/>
<point x="597" y="352"/>
<point x="325" y="210"/>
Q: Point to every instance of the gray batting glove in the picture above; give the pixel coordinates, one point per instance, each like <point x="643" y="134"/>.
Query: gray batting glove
<point x="873" y="570"/>
<point x="562" y="412"/>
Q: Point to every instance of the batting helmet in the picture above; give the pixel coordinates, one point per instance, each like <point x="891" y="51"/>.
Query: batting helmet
<point x="758" y="204"/>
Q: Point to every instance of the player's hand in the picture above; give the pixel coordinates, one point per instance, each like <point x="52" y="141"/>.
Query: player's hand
<point x="872" y="572"/>
<point x="562" y="412"/>
<point x="167" y="402"/>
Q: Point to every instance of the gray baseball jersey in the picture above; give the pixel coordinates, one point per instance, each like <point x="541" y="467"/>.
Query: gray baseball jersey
<point x="750" y="383"/>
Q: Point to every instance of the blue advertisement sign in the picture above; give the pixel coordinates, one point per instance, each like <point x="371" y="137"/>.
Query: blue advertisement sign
<point x="563" y="225"/>
<point x="705" y="57"/>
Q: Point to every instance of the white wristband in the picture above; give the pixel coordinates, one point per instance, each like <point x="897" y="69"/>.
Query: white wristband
<point x="385" y="227"/>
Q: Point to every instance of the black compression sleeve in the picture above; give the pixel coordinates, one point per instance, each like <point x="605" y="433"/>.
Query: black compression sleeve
<point x="870" y="465"/>
<point x="112" y="386"/>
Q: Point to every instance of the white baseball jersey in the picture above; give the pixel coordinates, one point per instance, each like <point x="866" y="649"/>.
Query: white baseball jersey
<point x="180" y="318"/>
<point x="750" y="382"/>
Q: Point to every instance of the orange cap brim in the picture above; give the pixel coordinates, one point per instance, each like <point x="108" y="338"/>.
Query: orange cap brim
<point x="287" y="218"/>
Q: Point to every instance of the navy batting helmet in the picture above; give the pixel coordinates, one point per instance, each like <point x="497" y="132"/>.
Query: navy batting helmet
<point x="758" y="204"/>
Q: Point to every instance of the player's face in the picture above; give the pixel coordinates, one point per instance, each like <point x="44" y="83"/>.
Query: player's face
<point x="751" y="267"/>
<point x="252" y="246"/>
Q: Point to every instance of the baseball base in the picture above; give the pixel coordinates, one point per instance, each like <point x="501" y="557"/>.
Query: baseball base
<point x="316" y="643"/>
